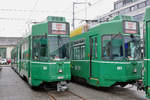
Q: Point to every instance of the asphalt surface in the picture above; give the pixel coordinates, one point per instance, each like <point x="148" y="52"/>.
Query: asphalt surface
<point x="12" y="87"/>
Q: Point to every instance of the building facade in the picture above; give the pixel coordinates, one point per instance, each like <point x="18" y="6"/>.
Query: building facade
<point x="6" y="45"/>
<point x="134" y="8"/>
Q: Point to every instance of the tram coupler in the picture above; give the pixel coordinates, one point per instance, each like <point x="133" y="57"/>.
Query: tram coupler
<point x="62" y="86"/>
<point x="140" y="85"/>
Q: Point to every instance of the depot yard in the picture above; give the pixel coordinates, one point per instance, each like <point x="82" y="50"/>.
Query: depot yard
<point x="12" y="87"/>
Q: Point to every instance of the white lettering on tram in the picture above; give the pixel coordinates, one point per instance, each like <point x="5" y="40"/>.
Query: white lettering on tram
<point x="119" y="67"/>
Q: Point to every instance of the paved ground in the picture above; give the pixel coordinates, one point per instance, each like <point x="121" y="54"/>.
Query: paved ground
<point x="116" y="93"/>
<point x="12" y="87"/>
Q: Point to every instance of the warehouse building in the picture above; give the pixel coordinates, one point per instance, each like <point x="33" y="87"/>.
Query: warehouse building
<point x="6" y="45"/>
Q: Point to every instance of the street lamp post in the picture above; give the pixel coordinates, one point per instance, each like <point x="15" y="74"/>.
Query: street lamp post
<point x="73" y="19"/>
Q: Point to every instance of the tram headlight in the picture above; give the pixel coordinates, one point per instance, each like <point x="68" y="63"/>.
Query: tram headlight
<point x="60" y="71"/>
<point x="135" y="70"/>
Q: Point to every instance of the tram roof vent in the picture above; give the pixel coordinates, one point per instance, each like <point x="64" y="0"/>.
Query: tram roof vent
<point x="122" y="17"/>
<point x="55" y="18"/>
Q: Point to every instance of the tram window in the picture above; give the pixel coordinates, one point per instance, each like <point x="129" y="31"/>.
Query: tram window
<point x="25" y="49"/>
<point x="39" y="50"/>
<point x="91" y="47"/>
<point x="59" y="48"/>
<point x="20" y="56"/>
<point x="83" y="52"/>
<point x="95" y="47"/>
<point x="117" y="49"/>
<point x="112" y="47"/>
<point x="106" y="46"/>
<point x="78" y="49"/>
<point x="132" y="48"/>
<point x="35" y="49"/>
<point x="43" y="50"/>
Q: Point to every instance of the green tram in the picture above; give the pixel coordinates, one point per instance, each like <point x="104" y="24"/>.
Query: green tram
<point x="43" y="56"/>
<point x="108" y="54"/>
<point x="146" y="79"/>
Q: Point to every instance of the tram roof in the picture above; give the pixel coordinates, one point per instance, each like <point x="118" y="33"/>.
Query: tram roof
<point x="147" y="14"/>
<point x="85" y="28"/>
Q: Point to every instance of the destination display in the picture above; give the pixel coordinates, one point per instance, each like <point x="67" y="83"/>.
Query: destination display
<point x="58" y="28"/>
<point x="130" y="27"/>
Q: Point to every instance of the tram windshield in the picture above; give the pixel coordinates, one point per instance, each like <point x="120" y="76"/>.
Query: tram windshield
<point x="59" y="48"/>
<point x="132" y="47"/>
<point x="39" y="50"/>
<point x="117" y="47"/>
<point x="112" y="47"/>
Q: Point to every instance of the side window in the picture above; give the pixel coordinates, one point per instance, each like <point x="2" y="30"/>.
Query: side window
<point x="35" y="48"/>
<point x="83" y="52"/>
<point x="91" y="47"/>
<point x="96" y="47"/>
<point x="106" y="46"/>
<point x="22" y="51"/>
<point x="20" y="55"/>
<point x="78" y="49"/>
<point x="25" y="50"/>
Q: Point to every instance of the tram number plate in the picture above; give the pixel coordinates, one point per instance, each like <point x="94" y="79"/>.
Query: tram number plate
<point x="60" y="77"/>
<point x="119" y="67"/>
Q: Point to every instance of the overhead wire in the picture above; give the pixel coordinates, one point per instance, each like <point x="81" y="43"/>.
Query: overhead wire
<point x="29" y="21"/>
<point x="98" y="1"/>
<point x="33" y="10"/>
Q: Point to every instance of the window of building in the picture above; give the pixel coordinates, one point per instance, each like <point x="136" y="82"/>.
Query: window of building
<point x="118" y="5"/>
<point x="78" y="49"/>
<point x="2" y="52"/>
<point x="148" y="2"/>
<point x="133" y="8"/>
<point x="141" y="5"/>
<point x="127" y="10"/>
<point x="115" y="14"/>
<point x="139" y="17"/>
<point x="125" y="2"/>
<point x="124" y="11"/>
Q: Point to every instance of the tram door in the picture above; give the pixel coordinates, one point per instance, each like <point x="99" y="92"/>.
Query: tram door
<point x="93" y="56"/>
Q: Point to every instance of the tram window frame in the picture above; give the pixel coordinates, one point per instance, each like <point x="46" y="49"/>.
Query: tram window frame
<point x="102" y="50"/>
<point x="110" y="55"/>
<point x="78" y="49"/>
<point x="22" y="51"/>
<point x="25" y="49"/>
<point x="96" y="49"/>
<point x="38" y="49"/>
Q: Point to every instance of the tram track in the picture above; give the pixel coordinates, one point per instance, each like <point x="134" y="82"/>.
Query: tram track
<point x="66" y="95"/>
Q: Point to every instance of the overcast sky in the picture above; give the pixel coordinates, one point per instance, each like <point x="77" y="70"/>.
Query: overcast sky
<point x="16" y="15"/>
